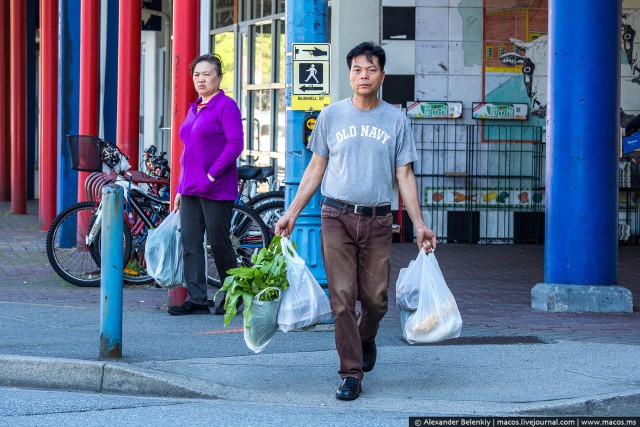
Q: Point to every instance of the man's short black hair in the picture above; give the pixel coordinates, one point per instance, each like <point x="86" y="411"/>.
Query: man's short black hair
<point x="370" y="49"/>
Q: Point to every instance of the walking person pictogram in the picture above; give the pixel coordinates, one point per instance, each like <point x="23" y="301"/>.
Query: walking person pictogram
<point x="312" y="73"/>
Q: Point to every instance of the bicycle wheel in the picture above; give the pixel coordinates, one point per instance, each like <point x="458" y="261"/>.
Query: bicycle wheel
<point x="135" y="267"/>
<point x="270" y="196"/>
<point x="248" y="234"/>
<point x="134" y="270"/>
<point x="270" y="213"/>
<point x="67" y="250"/>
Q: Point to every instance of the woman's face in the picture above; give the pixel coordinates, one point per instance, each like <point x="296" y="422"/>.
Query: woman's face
<point x="206" y="79"/>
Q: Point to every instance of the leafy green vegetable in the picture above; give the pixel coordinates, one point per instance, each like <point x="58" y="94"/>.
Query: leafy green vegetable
<point x="267" y="272"/>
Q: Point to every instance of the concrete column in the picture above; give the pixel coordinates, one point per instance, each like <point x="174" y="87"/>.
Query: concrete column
<point x="89" y="77"/>
<point x="185" y="49"/>
<point x="32" y="97"/>
<point x="581" y="249"/>
<point x="306" y="22"/>
<point x="18" y="83"/>
<point x="48" y="110"/>
<point x="5" y="113"/>
<point x="68" y="96"/>
<point x="108" y="64"/>
<point x="352" y="22"/>
<point x="128" y="131"/>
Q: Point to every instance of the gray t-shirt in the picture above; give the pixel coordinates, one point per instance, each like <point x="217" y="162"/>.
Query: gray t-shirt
<point x="364" y="148"/>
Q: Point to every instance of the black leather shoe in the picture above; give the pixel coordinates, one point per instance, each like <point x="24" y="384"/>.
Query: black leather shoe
<point x="189" y="308"/>
<point x="369" y="354"/>
<point x="350" y="389"/>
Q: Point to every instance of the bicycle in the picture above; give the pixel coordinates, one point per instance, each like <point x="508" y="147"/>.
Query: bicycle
<point x="269" y="205"/>
<point x="73" y="240"/>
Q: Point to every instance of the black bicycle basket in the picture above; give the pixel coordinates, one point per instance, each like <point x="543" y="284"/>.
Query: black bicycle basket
<point x="85" y="152"/>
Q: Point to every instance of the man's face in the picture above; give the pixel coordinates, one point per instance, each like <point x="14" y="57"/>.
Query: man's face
<point x="365" y="77"/>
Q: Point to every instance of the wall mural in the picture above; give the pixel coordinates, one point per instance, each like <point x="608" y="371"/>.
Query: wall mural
<point x="495" y="52"/>
<point x="515" y="48"/>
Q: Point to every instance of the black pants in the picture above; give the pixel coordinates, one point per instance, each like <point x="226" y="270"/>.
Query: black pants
<point x="197" y="215"/>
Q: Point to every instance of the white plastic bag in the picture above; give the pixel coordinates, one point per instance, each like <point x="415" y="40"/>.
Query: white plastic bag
<point x="408" y="284"/>
<point x="264" y="322"/>
<point x="163" y="253"/>
<point x="304" y="303"/>
<point x="437" y="317"/>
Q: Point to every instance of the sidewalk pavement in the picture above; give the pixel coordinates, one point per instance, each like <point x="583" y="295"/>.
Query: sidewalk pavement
<point x="510" y="359"/>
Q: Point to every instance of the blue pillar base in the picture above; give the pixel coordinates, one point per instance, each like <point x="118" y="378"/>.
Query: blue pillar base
<point x="581" y="298"/>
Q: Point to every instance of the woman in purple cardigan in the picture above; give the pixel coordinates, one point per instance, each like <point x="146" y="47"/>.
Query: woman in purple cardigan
<point x="208" y="185"/>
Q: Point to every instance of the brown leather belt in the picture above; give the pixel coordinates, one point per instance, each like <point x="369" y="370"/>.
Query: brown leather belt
<point x="381" y="210"/>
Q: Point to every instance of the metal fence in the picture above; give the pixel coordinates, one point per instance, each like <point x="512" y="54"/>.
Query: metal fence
<point x="482" y="183"/>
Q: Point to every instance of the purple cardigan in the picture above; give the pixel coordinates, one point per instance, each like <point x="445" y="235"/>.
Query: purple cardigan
<point x="213" y="139"/>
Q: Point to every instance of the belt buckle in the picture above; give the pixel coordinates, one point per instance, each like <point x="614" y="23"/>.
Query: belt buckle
<point x="359" y="209"/>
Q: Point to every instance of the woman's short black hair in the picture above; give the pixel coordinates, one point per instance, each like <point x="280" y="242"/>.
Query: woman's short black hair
<point x="370" y="49"/>
<point x="207" y="57"/>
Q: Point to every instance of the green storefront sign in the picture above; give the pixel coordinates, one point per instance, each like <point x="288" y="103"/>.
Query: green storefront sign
<point x="501" y="111"/>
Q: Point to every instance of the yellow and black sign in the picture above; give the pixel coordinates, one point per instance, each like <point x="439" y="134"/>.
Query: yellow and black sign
<point x="308" y="124"/>
<point x="310" y="87"/>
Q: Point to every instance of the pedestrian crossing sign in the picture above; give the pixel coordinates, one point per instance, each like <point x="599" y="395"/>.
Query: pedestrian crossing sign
<point x="311" y="74"/>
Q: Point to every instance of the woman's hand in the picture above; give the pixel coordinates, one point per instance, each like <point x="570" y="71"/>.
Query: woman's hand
<point x="176" y="202"/>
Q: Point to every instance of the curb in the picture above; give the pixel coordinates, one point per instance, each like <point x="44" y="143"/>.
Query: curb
<point x="611" y="405"/>
<point x="123" y="378"/>
<point x="94" y="376"/>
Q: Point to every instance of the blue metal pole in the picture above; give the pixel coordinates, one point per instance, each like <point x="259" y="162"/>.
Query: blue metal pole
<point x="306" y="22"/>
<point x="581" y="234"/>
<point x="111" y="273"/>
<point x="68" y="95"/>
<point x="582" y="151"/>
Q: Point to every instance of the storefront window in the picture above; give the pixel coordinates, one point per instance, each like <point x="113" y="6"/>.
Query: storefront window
<point x="280" y="145"/>
<point x="223" y="45"/>
<point x="263" y="54"/>
<point x="244" y="73"/>
<point x="222" y="12"/>
<point x="282" y="47"/>
<point x="254" y="55"/>
<point x="262" y="120"/>
<point x="261" y="8"/>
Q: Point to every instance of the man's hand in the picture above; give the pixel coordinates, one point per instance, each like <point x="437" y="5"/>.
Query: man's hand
<point x="285" y="225"/>
<point x="426" y="238"/>
<point x="176" y="202"/>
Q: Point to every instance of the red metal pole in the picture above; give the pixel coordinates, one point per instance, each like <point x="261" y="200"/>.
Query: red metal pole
<point x="128" y="130"/>
<point x="5" y="115"/>
<point x="89" y="76"/>
<point x="48" y="110"/>
<point x="186" y="20"/>
<point x="18" y="24"/>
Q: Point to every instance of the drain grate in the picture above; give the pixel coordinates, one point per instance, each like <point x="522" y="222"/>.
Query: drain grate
<point x="486" y="340"/>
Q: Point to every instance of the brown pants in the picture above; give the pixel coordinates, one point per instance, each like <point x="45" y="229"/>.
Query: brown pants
<point x="357" y="257"/>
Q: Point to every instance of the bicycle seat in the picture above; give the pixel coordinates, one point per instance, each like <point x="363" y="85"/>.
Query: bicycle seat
<point x="246" y="172"/>
<point x="267" y="171"/>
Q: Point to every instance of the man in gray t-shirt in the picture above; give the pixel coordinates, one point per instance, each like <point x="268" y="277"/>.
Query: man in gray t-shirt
<point x="362" y="148"/>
